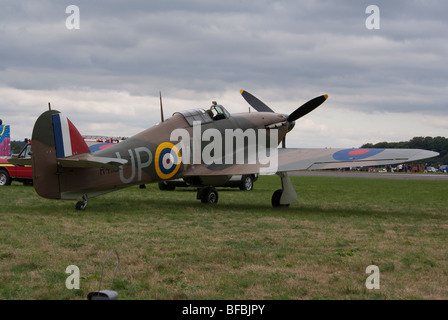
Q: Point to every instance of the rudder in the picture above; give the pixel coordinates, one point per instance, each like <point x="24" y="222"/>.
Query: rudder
<point x="68" y="140"/>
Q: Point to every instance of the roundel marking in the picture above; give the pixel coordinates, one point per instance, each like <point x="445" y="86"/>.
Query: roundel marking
<point x="358" y="152"/>
<point x="167" y="160"/>
<point x="355" y="154"/>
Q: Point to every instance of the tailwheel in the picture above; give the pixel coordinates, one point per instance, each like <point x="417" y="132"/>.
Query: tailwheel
<point x="276" y="199"/>
<point x="208" y="195"/>
<point x="81" y="205"/>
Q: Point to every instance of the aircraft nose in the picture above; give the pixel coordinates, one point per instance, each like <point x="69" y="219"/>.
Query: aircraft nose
<point x="291" y="125"/>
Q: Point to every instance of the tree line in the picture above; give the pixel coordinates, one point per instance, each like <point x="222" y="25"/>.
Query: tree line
<point x="437" y="144"/>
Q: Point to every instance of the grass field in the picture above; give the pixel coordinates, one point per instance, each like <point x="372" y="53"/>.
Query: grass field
<point x="173" y="247"/>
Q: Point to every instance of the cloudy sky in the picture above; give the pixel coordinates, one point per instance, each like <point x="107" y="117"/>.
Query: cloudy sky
<point x="387" y="84"/>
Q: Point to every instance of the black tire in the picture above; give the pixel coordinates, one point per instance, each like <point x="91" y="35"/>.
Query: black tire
<point x="209" y="195"/>
<point x="276" y="199"/>
<point x="5" y="179"/>
<point x="247" y="183"/>
<point x="80" y="205"/>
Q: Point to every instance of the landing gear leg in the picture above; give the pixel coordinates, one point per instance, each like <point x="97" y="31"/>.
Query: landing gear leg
<point x="81" y="205"/>
<point x="285" y="196"/>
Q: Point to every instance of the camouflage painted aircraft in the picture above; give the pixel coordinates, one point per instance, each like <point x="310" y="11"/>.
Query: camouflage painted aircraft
<point x="65" y="168"/>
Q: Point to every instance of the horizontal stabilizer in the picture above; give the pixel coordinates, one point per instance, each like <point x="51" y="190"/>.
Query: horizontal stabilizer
<point x="88" y="161"/>
<point x="20" y="161"/>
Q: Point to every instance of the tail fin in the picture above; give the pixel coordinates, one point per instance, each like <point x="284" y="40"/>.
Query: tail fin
<point x="54" y="136"/>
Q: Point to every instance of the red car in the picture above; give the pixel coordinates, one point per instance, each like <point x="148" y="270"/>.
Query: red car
<point x="10" y="172"/>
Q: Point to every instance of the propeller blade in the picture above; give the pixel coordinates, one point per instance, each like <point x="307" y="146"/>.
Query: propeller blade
<point x="255" y="102"/>
<point x="307" y="108"/>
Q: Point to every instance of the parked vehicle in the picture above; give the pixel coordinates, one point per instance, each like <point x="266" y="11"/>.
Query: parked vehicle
<point x="10" y="172"/>
<point x="443" y="168"/>
<point x="244" y="182"/>
<point x="431" y="169"/>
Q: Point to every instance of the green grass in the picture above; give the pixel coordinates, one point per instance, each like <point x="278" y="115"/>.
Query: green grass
<point x="173" y="247"/>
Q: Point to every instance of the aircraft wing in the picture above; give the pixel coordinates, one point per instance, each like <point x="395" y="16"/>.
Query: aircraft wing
<point x="295" y="159"/>
<point x="318" y="159"/>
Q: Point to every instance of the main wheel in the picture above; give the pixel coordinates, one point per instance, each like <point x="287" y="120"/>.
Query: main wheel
<point x="276" y="199"/>
<point x="5" y="179"/>
<point x="209" y="195"/>
<point x="247" y="183"/>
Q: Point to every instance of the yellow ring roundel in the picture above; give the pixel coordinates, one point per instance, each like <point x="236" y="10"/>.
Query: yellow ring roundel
<point x="167" y="160"/>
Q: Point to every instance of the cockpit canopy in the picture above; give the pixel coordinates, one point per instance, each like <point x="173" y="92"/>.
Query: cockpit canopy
<point x="218" y="112"/>
<point x="214" y="113"/>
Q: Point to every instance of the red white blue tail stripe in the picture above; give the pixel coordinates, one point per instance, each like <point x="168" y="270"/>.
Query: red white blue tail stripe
<point x="67" y="138"/>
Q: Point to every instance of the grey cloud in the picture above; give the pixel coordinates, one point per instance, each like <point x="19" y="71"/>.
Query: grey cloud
<point x="143" y="46"/>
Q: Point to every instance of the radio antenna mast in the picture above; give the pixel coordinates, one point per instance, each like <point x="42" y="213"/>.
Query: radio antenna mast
<point x="161" y="107"/>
